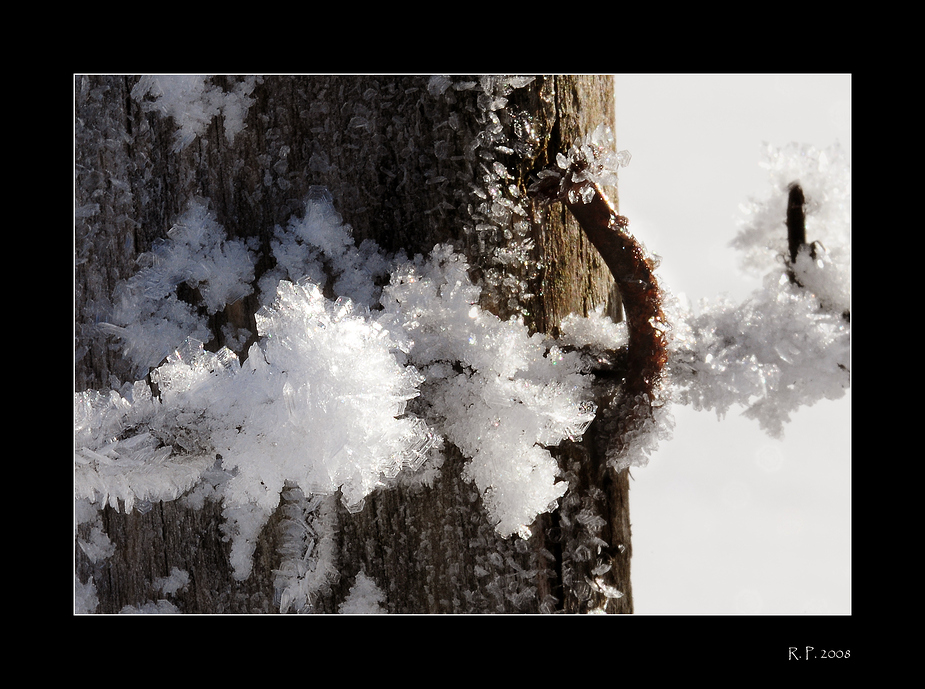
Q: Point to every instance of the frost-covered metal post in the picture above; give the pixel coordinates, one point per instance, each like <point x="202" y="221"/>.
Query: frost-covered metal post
<point x="278" y="220"/>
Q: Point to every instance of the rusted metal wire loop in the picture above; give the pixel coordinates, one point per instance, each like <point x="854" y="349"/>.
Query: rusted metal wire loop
<point x="634" y="273"/>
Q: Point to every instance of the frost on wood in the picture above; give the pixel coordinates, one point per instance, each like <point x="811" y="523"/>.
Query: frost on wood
<point x="367" y="362"/>
<point x="596" y="332"/>
<point x="161" y="607"/>
<point x="148" y="314"/>
<point x="630" y="422"/>
<point x="308" y="562"/>
<point x="500" y="395"/>
<point x="193" y="102"/>
<point x="129" y="452"/>
<point x="789" y="344"/>
<point x="319" y="405"/>
<point x="176" y="580"/>
<point x="499" y="226"/>
<point x="364" y="598"/>
<point x="320" y="247"/>
<point x="592" y="161"/>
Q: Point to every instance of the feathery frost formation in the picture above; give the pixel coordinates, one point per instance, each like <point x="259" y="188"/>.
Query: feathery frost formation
<point x="192" y="101"/>
<point x="148" y="315"/>
<point x="499" y="394"/>
<point x="341" y="397"/>
<point x="788" y="345"/>
<point x="319" y="404"/>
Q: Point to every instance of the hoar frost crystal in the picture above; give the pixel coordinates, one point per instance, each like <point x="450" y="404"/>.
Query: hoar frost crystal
<point x="318" y="409"/>
<point x="499" y="394"/>
<point x="789" y="345"/>
<point x="320" y="401"/>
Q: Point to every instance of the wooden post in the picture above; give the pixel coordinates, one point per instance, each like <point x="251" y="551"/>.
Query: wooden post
<point x="401" y="156"/>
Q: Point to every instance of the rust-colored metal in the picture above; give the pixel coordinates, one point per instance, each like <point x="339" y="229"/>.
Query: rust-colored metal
<point x="634" y="273"/>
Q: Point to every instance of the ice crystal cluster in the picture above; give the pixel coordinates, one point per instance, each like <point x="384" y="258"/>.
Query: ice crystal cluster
<point x="825" y="176"/>
<point x="499" y="394"/>
<point x="364" y="598"/>
<point x="192" y="102"/>
<point x="344" y="395"/>
<point x="308" y="550"/>
<point x="148" y="315"/>
<point x="594" y="160"/>
<point x="318" y="406"/>
<point x="129" y="452"/>
<point x="319" y="246"/>
<point x="789" y="344"/>
<point x="596" y="331"/>
<point x="319" y="403"/>
<point x="499" y="226"/>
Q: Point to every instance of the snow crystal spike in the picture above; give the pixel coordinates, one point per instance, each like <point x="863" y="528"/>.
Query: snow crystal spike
<point x="634" y="273"/>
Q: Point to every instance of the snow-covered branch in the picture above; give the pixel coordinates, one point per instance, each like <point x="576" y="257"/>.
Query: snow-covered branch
<point x="788" y="345"/>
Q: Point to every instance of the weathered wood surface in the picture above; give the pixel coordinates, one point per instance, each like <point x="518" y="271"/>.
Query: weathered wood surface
<point x="400" y="163"/>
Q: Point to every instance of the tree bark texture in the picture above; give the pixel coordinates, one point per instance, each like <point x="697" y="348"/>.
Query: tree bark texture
<point x="403" y="160"/>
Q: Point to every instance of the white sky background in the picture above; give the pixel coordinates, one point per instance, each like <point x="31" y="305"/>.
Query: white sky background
<point x="725" y="519"/>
